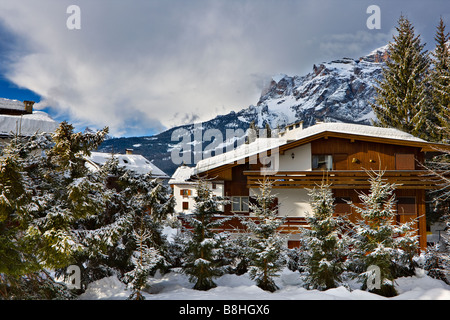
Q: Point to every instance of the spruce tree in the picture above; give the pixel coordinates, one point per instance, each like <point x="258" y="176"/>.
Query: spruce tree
<point x="267" y="255"/>
<point x="202" y="258"/>
<point x="380" y="241"/>
<point x="402" y="99"/>
<point x="15" y="197"/>
<point x="21" y="271"/>
<point x="440" y="83"/>
<point x="126" y="238"/>
<point x="325" y="243"/>
<point x="65" y="192"/>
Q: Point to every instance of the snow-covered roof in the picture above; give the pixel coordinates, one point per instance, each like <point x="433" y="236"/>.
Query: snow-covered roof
<point x="27" y="124"/>
<point x="11" y="104"/>
<point x="134" y="162"/>
<point x="182" y="175"/>
<point x="241" y="152"/>
<point x="263" y="144"/>
<point x="356" y="129"/>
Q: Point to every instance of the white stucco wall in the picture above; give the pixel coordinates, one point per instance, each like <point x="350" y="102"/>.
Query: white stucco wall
<point x="179" y="199"/>
<point x="291" y="202"/>
<point x="300" y="162"/>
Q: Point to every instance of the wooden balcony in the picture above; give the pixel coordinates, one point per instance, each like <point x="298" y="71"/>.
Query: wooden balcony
<point x="344" y="179"/>
<point x="291" y="225"/>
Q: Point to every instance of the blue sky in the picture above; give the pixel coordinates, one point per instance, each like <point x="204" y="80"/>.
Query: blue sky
<point x="142" y="66"/>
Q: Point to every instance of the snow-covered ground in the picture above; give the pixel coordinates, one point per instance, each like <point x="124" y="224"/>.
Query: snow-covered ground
<point x="176" y="286"/>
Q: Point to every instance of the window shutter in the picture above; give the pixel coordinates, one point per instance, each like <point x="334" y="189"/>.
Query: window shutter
<point x="404" y="161"/>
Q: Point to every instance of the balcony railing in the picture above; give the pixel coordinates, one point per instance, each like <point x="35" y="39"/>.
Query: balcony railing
<point x="291" y="225"/>
<point x="344" y="179"/>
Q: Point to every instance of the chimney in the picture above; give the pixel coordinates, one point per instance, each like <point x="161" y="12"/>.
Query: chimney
<point x="129" y="151"/>
<point x="290" y="131"/>
<point x="28" y="106"/>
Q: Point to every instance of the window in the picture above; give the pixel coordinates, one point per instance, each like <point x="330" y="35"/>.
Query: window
<point x="322" y="162"/>
<point x="185" y="205"/>
<point x="185" y="193"/>
<point x="239" y="204"/>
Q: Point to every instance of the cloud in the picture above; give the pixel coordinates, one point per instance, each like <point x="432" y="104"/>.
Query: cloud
<point x="145" y="65"/>
<point x="352" y="44"/>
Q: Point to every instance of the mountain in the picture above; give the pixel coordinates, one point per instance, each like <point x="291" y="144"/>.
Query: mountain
<point x="336" y="91"/>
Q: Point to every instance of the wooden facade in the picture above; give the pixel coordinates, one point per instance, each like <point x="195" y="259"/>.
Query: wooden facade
<point x="341" y="159"/>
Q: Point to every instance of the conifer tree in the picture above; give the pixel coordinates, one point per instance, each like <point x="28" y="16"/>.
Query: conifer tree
<point x="440" y="83"/>
<point x="267" y="256"/>
<point x="325" y="243"/>
<point x="126" y="238"/>
<point x="21" y="274"/>
<point x="380" y="241"/>
<point x="65" y="192"/>
<point x="202" y="260"/>
<point x="144" y="259"/>
<point x="402" y="100"/>
<point x="15" y="197"/>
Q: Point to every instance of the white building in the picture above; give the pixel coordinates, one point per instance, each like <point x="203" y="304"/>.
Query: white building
<point x="184" y="190"/>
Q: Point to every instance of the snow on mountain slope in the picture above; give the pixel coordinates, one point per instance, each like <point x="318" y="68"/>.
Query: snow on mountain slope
<point x="337" y="91"/>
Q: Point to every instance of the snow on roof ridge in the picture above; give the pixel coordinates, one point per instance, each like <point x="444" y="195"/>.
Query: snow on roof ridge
<point x="182" y="174"/>
<point x="264" y="144"/>
<point x="242" y="151"/>
<point x="357" y="129"/>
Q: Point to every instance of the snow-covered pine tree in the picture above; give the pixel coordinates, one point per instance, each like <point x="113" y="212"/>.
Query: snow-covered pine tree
<point x="380" y="241"/>
<point x="15" y="197"/>
<point x="202" y="258"/>
<point x="126" y="238"/>
<point x="150" y="204"/>
<point x="402" y="99"/>
<point x="437" y="257"/>
<point x="440" y="82"/>
<point x="144" y="259"/>
<point x="240" y="252"/>
<point x="268" y="251"/>
<point x="21" y="274"/>
<point x="325" y="242"/>
<point x="64" y="192"/>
